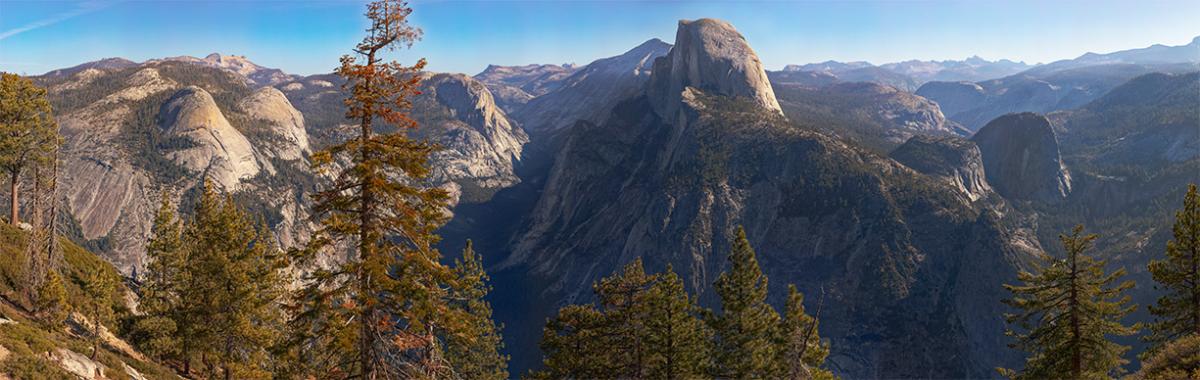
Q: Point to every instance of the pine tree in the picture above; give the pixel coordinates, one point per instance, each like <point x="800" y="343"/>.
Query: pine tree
<point x="801" y="351"/>
<point x="1178" y="311"/>
<point x="236" y="289"/>
<point x="52" y="299"/>
<point x="155" y="331"/>
<point x="643" y="326"/>
<point x="1175" y="360"/>
<point x="622" y="300"/>
<point x="744" y="329"/>
<point x="28" y="133"/>
<point x="385" y="309"/>
<point x="474" y="353"/>
<point x="677" y="340"/>
<point x="1067" y="312"/>
<point x="98" y="287"/>
<point x="574" y="345"/>
<point x="214" y="290"/>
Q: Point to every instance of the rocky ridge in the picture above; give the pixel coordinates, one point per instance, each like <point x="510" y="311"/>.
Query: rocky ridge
<point x="590" y="93"/>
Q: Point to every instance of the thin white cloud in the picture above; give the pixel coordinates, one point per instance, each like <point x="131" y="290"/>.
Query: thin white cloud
<point x="79" y="10"/>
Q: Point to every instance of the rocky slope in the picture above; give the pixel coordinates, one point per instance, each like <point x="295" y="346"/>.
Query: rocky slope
<point x="271" y="107"/>
<point x="954" y="160"/>
<point x="1021" y="158"/>
<point x="877" y="116"/>
<point x="668" y="176"/>
<point x="590" y="93"/>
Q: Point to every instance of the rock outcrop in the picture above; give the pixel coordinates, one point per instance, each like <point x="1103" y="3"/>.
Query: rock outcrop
<point x="591" y="92"/>
<point x="953" y="160"/>
<point x="711" y="56"/>
<point x="271" y="106"/>
<point x="1021" y="158"/>
<point x="217" y="149"/>
<point x="480" y="144"/>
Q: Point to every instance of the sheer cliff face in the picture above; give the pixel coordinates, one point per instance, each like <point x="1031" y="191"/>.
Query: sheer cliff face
<point x="908" y="265"/>
<point x="1021" y="158"/>
<point x="711" y="56"/>
<point x="480" y="145"/>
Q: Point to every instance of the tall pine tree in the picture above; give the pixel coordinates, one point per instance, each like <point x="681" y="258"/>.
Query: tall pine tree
<point x="1068" y="310"/>
<point x="28" y="133"/>
<point x="801" y="351"/>
<point x="155" y="331"/>
<point x="1178" y="311"/>
<point x="214" y="291"/>
<point x="746" y="325"/>
<point x="678" y="343"/>
<point x="474" y="352"/>
<point x="384" y="311"/>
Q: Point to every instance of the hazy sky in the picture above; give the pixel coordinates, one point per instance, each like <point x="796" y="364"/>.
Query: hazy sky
<point x="307" y="37"/>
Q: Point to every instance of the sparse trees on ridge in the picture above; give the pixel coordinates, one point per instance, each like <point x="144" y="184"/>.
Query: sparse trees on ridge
<point x="28" y="133"/>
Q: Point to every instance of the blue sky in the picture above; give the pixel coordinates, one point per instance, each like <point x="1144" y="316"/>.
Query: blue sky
<point x="307" y="36"/>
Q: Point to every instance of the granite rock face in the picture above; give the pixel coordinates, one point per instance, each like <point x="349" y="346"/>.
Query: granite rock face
<point x="1021" y="158"/>
<point x="590" y="93"/>
<point x="284" y="121"/>
<point x="711" y="56"/>
<point x="953" y="160"/>
<point x="218" y="150"/>
<point x="480" y="145"/>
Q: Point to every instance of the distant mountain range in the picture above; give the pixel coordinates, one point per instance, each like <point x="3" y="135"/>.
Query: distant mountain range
<point x="909" y="75"/>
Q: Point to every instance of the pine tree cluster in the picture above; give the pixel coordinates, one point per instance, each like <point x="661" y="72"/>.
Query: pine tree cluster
<point x="645" y="326"/>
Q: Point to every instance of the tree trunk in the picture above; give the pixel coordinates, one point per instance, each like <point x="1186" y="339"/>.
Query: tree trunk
<point x="1073" y="308"/>
<point x="366" y="330"/>
<point x="14" y="188"/>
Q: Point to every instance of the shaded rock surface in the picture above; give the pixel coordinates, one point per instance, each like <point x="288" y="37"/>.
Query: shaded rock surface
<point x="1021" y="158"/>
<point x="954" y="160"/>
<point x="590" y="93"/>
